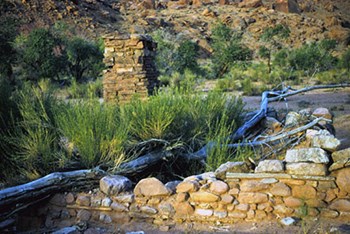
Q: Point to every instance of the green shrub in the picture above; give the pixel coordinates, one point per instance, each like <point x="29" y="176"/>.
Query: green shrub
<point x="227" y="49"/>
<point x="186" y="57"/>
<point x="313" y="57"/>
<point x="345" y="60"/>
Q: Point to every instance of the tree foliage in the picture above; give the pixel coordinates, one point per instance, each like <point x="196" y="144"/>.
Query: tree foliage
<point x="313" y="57"/>
<point x="83" y="56"/>
<point x="227" y="49"/>
<point x="186" y="57"/>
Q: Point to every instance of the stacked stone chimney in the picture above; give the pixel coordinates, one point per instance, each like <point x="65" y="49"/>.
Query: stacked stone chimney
<point x="131" y="70"/>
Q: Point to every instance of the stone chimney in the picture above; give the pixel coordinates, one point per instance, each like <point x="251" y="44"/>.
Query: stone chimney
<point x="131" y="70"/>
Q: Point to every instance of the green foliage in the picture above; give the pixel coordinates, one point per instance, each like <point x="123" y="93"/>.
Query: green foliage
<point x="272" y="34"/>
<point x="271" y="38"/>
<point x="314" y="57"/>
<point x="345" y="60"/>
<point x="186" y="57"/>
<point x="41" y="54"/>
<point x="95" y="130"/>
<point x="228" y="49"/>
<point x="8" y="33"/>
<point x="83" y="57"/>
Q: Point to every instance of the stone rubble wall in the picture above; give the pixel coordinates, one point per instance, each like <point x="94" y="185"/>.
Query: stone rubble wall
<point x="206" y="198"/>
<point x="130" y="67"/>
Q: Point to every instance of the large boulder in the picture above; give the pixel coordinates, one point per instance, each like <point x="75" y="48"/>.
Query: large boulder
<point x="150" y="187"/>
<point x="114" y="184"/>
<point x="286" y="6"/>
<point x="315" y="155"/>
<point x="342" y="180"/>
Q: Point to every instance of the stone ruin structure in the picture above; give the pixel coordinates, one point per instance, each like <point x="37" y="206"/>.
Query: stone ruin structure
<point x="131" y="70"/>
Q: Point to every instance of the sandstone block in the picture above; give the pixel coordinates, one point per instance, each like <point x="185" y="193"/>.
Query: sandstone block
<point x="341" y="155"/>
<point x="340" y="205"/>
<point x="106" y="202"/>
<point x="183" y="208"/>
<point x="226" y="199"/>
<point x="237" y="215"/>
<point x="126" y="198"/>
<point x="181" y="197"/>
<point x="311" y="169"/>
<point x="293" y="119"/>
<point x="150" y="187"/>
<point x="304" y="192"/>
<point x="315" y="155"/>
<point x="114" y="184"/>
<point x="242" y="207"/>
<point x="204" y="197"/>
<point x="282" y="209"/>
<point x="293" y="202"/>
<point x="249" y="198"/>
<point x="70" y="198"/>
<point x="171" y="186"/>
<point x="328" y="213"/>
<point x="343" y="180"/>
<point x="280" y="189"/>
<point x="270" y="166"/>
<point x="218" y="187"/>
<point x="253" y="186"/>
<point x="329" y="143"/>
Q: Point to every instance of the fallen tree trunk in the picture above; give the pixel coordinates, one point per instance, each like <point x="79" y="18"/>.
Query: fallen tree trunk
<point x="20" y="197"/>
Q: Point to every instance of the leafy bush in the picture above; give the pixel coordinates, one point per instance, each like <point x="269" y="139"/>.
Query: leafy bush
<point x="186" y="57"/>
<point x="228" y="49"/>
<point x="313" y="57"/>
<point x="345" y="60"/>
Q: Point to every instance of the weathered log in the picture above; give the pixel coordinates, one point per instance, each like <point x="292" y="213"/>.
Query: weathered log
<point x="16" y="198"/>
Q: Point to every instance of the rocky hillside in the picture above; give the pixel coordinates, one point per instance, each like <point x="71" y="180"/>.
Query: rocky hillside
<point x="309" y="20"/>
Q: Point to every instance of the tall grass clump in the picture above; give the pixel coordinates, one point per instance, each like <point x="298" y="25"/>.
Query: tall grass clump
<point x="94" y="130"/>
<point x="33" y="140"/>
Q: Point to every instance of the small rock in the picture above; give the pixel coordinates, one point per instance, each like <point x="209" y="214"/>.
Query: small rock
<point x="292" y="119"/>
<point x="342" y="180"/>
<point x="322" y="112"/>
<point x="83" y="200"/>
<point x="250" y="3"/>
<point x="164" y="228"/>
<point x="137" y="232"/>
<point x="118" y="207"/>
<point x="270" y="166"/>
<point x="187" y="186"/>
<point x="105" y="218"/>
<point x="106" y="202"/>
<point x="235" y="167"/>
<point x="280" y="189"/>
<point x="218" y="187"/>
<point x="148" y="210"/>
<point x="70" y="198"/>
<point x="113" y="185"/>
<point x="204" y="212"/>
<point x="288" y="221"/>
<point x="171" y="186"/>
<point x="83" y="215"/>
<point x="127" y="198"/>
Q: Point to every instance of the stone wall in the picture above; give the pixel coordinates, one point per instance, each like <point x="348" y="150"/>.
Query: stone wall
<point x="222" y="196"/>
<point x="130" y="67"/>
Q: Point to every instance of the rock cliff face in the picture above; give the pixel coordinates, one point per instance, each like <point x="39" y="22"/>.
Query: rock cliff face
<point x="309" y="20"/>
